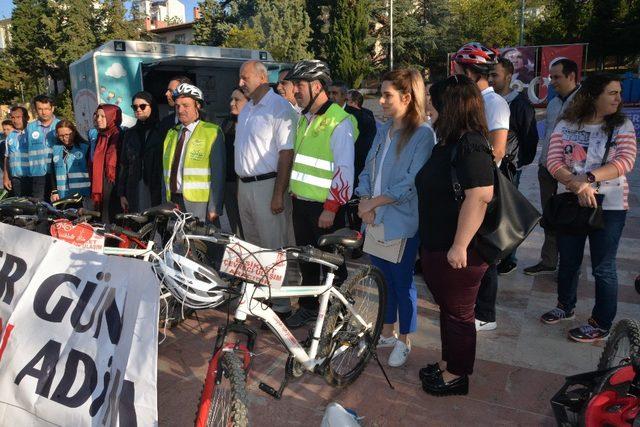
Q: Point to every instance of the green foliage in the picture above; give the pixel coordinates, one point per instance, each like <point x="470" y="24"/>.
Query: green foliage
<point x="284" y="28"/>
<point x="211" y="28"/>
<point x="112" y="15"/>
<point x="348" y="44"/>
<point x="244" y="37"/>
<point x="493" y="24"/>
<point x="319" y="12"/>
<point x="173" y="20"/>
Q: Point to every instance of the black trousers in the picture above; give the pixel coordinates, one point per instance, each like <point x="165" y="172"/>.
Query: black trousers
<point x="307" y="232"/>
<point x="30" y="186"/>
<point x="487" y="294"/>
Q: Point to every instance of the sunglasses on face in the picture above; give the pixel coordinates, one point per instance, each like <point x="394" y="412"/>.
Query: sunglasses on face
<point x="140" y="107"/>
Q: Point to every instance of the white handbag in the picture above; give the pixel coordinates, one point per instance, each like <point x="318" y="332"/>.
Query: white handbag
<point x="374" y="242"/>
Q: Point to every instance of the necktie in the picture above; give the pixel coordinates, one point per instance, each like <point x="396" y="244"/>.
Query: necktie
<point x="173" y="179"/>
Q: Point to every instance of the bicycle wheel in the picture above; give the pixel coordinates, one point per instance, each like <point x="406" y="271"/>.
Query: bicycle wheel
<point x="224" y="404"/>
<point x="622" y="343"/>
<point x="343" y="338"/>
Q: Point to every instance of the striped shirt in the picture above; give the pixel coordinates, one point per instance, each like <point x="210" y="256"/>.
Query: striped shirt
<point x="581" y="148"/>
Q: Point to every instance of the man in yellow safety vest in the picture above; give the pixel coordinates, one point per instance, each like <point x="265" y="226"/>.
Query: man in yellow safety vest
<point x="194" y="158"/>
<point x="322" y="173"/>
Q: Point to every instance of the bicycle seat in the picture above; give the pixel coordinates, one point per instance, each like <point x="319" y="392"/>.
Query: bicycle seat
<point x="344" y="237"/>
<point x="135" y="217"/>
<point x="68" y="201"/>
<point x="165" y="209"/>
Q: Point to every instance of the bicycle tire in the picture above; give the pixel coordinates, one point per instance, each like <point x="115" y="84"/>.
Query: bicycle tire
<point x="625" y="330"/>
<point x="233" y="410"/>
<point x="339" y="328"/>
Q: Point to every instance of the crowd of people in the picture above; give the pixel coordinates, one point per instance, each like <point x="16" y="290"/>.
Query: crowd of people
<point x="290" y="156"/>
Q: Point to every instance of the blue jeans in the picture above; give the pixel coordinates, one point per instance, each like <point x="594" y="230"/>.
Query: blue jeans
<point x="402" y="295"/>
<point x="604" y="246"/>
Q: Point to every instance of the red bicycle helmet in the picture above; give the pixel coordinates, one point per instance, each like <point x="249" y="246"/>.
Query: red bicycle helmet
<point x="477" y="56"/>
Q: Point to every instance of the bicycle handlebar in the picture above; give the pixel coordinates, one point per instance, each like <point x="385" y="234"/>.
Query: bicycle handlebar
<point x="323" y="255"/>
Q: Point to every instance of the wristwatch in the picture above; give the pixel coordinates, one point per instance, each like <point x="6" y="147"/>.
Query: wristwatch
<point x="591" y="178"/>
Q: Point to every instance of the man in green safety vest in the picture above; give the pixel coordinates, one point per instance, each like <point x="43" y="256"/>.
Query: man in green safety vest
<point x="193" y="158"/>
<point x="322" y="173"/>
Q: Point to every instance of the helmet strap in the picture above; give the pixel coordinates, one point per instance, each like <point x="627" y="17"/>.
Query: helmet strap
<point x="311" y="101"/>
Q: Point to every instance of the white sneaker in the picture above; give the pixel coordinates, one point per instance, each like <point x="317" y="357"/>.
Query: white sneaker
<point x="485" y="326"/>
<point x="399" y="354"/>
<point x="387" y="342"/>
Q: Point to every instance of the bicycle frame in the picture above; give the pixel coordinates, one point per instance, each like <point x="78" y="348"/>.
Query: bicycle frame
<point x="251" y="304"/>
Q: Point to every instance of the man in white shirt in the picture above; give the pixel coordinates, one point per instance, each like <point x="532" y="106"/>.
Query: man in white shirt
<point x="476" y="62"/>
<point x="265" y="134"/>
<point x="285" y="89"/>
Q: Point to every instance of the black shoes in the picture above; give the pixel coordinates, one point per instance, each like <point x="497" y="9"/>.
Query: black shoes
<point x="300" y="318"/>
<point x="539" y="268"/>
<point x="429" y="371"/>
<point x="436" y="386"/>
<point x="506" y="267"/>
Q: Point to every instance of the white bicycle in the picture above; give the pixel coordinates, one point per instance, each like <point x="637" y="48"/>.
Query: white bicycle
<point x="340" y="344"/>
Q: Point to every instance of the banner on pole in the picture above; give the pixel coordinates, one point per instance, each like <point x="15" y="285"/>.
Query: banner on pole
<point x="78" y="335"/>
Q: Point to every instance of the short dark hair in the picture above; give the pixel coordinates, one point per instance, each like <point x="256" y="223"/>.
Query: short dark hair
<point x="341" y="85"/>
<point x="181" y="79"/>
<point x="356" y="96"/>
<point x="568" y="67"/>
<point x="25" y="114"/>
<point x="44" y="99"/>
<point x="506" y="64"/>
<point x="7" y="122"/>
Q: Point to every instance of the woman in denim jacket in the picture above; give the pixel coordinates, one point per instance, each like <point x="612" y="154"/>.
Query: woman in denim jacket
<point x="388" y="196"/>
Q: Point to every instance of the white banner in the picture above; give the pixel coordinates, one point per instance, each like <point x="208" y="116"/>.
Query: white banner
<point x="253" y="263"/>
<point x="78" y="335"/>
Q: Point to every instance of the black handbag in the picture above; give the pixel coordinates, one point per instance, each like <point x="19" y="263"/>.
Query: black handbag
<point x="509" y="219"/>
<point x="562" y="213"/>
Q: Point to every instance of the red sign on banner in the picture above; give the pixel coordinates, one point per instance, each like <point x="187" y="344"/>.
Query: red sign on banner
<point x="551" y="53"/>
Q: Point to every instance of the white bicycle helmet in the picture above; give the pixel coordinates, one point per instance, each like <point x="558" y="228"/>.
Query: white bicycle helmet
<point x="186" y="89"/>
<point x="189" y="282"/>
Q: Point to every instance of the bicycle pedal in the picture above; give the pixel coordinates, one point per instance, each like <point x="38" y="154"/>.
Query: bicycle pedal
<point x="269" y="390"/>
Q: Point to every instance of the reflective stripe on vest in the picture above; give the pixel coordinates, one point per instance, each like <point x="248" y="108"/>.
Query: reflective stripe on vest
<point x="17" y="153"/>
<point x="196" y="172"/>
<point x="313" y="166"/>
<point x="39" y="147"/>
<point x="72" y="173"/>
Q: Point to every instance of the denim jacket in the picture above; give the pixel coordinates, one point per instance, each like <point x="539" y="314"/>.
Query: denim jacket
<point x="398" y="179"/>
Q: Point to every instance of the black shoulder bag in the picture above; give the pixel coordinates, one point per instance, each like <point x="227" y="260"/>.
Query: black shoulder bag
<point x="509" y="219"/>
<point x="562" y="213"/>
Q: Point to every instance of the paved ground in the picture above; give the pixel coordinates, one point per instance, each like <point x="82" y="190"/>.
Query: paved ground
<point x="519" y="366"/>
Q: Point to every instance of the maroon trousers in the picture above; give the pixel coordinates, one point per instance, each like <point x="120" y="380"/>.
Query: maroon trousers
<point x="455" y="291"/>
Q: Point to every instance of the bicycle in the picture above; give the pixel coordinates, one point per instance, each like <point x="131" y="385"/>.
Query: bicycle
<point x="340" y="345"/>
<point x="609" y="396"/>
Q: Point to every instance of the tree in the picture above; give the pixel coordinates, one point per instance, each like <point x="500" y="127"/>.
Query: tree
<point x="173" y="20"/>
<point x="493" y="24"/>
<point x="112" y="14"/>
<point x="211" y="28"/>
<point x="244" y="37"/>
<point x="319" y="12"/>
<point x="284" y="28"/>
<point x="348" y="47"/>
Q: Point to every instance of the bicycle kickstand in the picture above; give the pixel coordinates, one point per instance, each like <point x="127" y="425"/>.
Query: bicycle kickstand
<point x="374" y="354"/>
<point x="277" y="394"/>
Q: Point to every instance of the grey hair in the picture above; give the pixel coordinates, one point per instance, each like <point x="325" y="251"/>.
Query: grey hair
<point x="258" y="67"/>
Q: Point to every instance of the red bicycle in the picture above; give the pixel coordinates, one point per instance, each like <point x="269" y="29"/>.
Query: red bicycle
<point x="609" y="396"/>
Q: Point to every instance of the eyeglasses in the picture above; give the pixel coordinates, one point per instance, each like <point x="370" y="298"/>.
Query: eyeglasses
<point x="140" y="107"/>
<point x="65" y="135"/>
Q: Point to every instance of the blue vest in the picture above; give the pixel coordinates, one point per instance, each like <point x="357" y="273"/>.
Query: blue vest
<point x="72" y="174"/>
<point x="39" y="147"/>
<point x="92" y="137"/>
<point x="17" y="151"/>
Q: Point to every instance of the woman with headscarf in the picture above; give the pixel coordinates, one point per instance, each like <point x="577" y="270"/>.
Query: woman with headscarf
<point x="140" y="163"/>
<point x="108" y="119"/>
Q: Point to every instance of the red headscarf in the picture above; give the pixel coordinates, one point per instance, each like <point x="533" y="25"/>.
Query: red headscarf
<point x="105" y="156"/>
